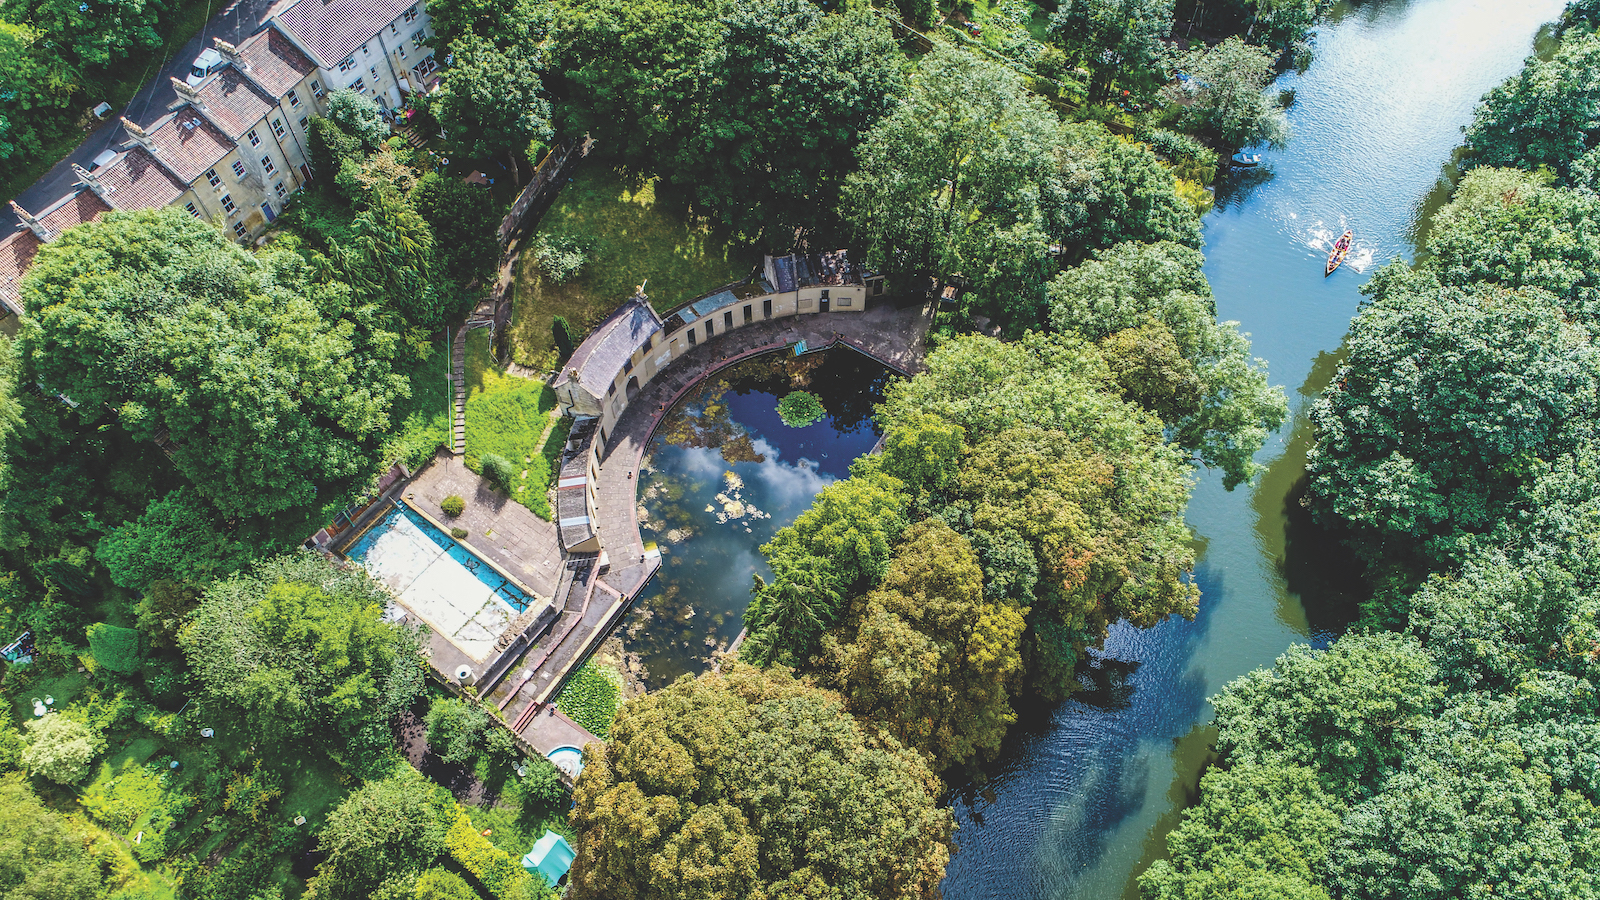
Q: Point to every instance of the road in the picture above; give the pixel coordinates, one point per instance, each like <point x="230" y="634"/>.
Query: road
<point x="149" y="105"/>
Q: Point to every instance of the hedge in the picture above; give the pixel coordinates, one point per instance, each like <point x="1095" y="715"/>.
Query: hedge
<point x="494" y="868"/>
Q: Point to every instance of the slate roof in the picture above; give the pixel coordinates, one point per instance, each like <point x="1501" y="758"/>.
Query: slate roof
<point x="333" y="29"/>
<point x="189" y="143"/>
<point x="572" y="488"/>
<point x="16" y="252"/>
<point x="275" y="62"/>
<point x="137" y="181"/>
<point x="601" y="355"/>
<point x="234" y="102"/>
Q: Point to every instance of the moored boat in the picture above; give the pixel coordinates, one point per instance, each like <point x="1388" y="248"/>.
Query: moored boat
<point x="1341" y="249"/>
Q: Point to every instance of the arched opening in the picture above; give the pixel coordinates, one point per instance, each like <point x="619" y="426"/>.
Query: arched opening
<point x="633" y="387"/>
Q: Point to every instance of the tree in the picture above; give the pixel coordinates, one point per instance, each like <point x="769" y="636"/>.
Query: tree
<point x="161" y="612"/>
<point x="1450" y="402"/>
<point x="1350" y="713"/>
<point x="924" y="452"/>
<point x="465" y="227"/>
<point x="1119" y="40"/>
<point x="268" y="405"/>
<point x="179" y="538"/>
<point x="384" y="828"/>
<point x="1116" y="190"/>
<point x="114" y="647"/>
<point x="60" y="748"/>
<point x="45" y="855"/>
<point x="1226" y="96"/>
<point x="1258" y="831"/>
<point x="929" y="658"/>
<point x="749" y="783"/>
<point x="491" y="99"/>
<point x="298" y="649"/>
<point x="456" y="730"/>
<point x="357" y="115"/>
<point x="1546" y="115"/>
<point x="1150" y="309"/>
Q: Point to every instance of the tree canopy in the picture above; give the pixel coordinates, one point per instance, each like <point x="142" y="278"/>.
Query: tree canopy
<point x="1546" y="115"/>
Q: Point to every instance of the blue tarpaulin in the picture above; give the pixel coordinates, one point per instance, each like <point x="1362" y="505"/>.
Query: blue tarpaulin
<point x="551" y="857"/>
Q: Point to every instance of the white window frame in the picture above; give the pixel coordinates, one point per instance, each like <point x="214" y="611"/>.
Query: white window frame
<point x="267" y="164"/>
<point x="228" y="206"/>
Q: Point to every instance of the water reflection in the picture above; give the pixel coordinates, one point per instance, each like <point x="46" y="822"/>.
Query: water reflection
<point x="721" y="476"/>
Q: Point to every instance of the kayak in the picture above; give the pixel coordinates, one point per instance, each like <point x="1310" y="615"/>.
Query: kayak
<point x="1341" y="249"/>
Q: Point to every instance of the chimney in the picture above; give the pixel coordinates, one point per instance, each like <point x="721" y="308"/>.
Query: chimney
<point x="187" y="94"/>
<point x="28" y="219"/>
<point x="90" y="179"/>
<point x="232" y="55"/>
<point x="139" y="135"/>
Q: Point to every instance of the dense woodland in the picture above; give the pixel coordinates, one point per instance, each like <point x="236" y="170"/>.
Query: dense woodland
<point x="178" y="413"/>
<point x="1448" y="745"/>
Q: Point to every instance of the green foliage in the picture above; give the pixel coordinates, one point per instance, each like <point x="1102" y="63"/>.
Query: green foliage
<point x="561" y="330"/>
<point x="458" y="533"/>
<point x="494" y="868"/>
<point x="491" y="98"/>
<point x="727" y="780"/>
<point x="443" y="884"/>
<point x="1546" y="115"/>
<point x="507" y="417"/>
<point x="162" y="610"/>
<point x="591" y="698"/>
<point x="1230" y="105"/>
<point x="800" y="408"/>
<point x="453" y="506"/>
<point x="357" y="115"/>
<point x="299" y="649"/>
<point x="47" y="856"/>
<point x="384" y="828"/>
<point x="456" y="730"/>
<point x="179" y="538"/>
<point x="113" y="647"/>
<point x="465" y="227"/>
<point x="330" y="146"/>
<point x="1191" y="159"/>
<point x="561" y="257"/>
<point x="60" y="748"/>
<point x="499" y="471"/>
<point x="1118" y="40"/>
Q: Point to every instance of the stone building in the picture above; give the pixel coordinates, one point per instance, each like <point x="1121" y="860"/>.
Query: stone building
<point x="374" y="47"/>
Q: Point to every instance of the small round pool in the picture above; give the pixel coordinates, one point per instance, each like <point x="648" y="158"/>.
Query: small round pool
<point x="567" y="759"/>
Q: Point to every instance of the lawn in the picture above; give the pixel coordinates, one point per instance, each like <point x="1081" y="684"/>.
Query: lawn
<point x="508" y="416"/>
<point x="20" y="172"/>
<point x="421" y="423"/>
<point x="632" y="232"/>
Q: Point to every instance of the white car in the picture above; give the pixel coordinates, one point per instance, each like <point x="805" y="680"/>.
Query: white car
<point x="204" y="65"/>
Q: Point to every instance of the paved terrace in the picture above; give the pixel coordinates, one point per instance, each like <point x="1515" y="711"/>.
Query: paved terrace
<point x="893" y="336"/>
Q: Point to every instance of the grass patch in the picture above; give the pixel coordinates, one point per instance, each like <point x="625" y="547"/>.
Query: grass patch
<point x="632" y="232"/>
<point x="591" y="697"/>
<point x="422" y="421"/>
<point x="507" y="417"/>
<point x="66" y="132"/>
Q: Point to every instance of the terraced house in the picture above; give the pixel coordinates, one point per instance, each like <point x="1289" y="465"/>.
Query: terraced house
<point x="233" y="148"/>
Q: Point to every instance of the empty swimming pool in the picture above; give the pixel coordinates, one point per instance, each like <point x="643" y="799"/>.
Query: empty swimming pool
<point x="445" y="584"/>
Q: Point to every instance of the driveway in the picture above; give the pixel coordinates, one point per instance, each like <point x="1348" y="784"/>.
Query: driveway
<point x="232" y="24"/>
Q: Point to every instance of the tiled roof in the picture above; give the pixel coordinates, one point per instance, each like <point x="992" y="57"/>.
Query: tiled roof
<point x="16" y="252"/>
<point x="572" y="488"/>
<point x="600" y="357"/>
<point x="333" y="29"/>
<point x="78" y="208"/>
<point x="275" y="62"/>
<point x="189" y="144"/>
<point x="137" y="181"/>
<point x="233" y="102"/>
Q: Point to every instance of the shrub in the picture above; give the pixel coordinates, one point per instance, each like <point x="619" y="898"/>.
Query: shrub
<point x="542" y="787"/>
<point x="503" y="876"/>
<point x="453" y="506"/>
<point x="500" y="471"/>
<point x="561" y="257"/>
<point x="455" y="730"/>
<point x="60" y="749"/>
<point x="115" y="648"/>
<point x="799" y="408"/>
<point x="458" y="533"/>
<point x="591" y="698"/>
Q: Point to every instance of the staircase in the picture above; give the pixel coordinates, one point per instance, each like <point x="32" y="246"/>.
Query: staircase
<point x="458" y="370"/>
<point x="410" y="136"/>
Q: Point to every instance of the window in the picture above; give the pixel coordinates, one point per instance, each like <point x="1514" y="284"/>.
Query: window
<point x="212" y="178"/>
<point x="348" y="64"/>
<point x="294" y="99"/>
<point x="277" y="127"/>
<point x="747" y="317"/>
<point x="374" y="71"/>
<point x="255" y="140"/>
<point x="393" y="28"/>
<point x="692" y="341"/>
<point x="425" y="68"/>
<point x="766" y="309"/>
<point x="238" y="229"/>
<point x="359" y="85"/>
<point x="727" y="320"/>
<point x="627" y="365"/>
<point x="611" y="390"/>
<point x="709" y="330"/>
<point x="400" y="50"/>
<point x="305" y="121"/>
<point x="238" y="168"/>
<point x="266" y="163"/>
<point x="192" y="210"/>
<point x="411" y="15"/>
<point x="316" y="89"/>
<point x="227" y="204"/>
<point x="365" y="51"/>
<point x="282" y="191"/>
<point x="419" y="37"/>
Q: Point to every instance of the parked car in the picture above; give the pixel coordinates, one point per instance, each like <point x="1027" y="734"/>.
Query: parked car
<point x="204" y="65"/>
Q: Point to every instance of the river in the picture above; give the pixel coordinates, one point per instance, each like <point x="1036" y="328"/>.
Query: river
<point x="1084" y="793"/>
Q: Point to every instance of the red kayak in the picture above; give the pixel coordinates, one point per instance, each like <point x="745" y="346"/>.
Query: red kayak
<point x="1341" y="249"/>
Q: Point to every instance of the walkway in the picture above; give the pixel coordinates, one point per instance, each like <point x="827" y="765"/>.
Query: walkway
<point x="893" y="336"/>
<point x="482" y="317"/>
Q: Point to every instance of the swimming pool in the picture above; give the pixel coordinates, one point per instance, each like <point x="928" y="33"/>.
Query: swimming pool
<point x="445" y="584"/>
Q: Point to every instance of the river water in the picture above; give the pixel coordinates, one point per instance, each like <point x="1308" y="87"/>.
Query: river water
<point x="1084" y="793"/>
